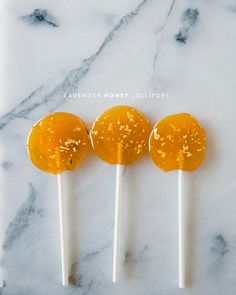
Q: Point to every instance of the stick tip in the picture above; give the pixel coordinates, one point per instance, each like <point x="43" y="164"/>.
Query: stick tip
<point x="115" y="279"/>
<point x="65" y="282"/>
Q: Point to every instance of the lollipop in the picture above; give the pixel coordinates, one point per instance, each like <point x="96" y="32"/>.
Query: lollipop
<point x="178" y="142"/>
<point x="120" y="136"/>
<point x="57" y="143"/>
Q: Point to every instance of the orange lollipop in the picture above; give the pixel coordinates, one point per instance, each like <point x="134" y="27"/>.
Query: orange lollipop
<point x="178" y="142"/>
<point x="57" y="143"/>
<point x="120" y="136"/>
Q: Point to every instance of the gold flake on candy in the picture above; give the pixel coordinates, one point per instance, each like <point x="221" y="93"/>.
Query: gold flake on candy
<point x="178" y="142"/>
<point x="58" y="142"/>
<point x="120" y="135"/>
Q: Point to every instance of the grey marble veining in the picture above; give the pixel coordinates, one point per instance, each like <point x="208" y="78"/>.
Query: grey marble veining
<point x="51" y="49"/>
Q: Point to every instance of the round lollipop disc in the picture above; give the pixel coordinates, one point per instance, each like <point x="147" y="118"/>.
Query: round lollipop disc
<point x="178" y="142"/>
<point x="120" y="135"/>
<point x="58" y="142"/>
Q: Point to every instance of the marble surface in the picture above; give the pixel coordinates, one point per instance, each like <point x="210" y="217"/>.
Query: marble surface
<point x="53" y="53"/>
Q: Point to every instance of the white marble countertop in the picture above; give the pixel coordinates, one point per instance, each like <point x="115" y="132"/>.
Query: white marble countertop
<point x="52" y="49"/>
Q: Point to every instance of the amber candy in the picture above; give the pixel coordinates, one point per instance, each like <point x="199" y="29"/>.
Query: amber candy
<point x="120" y="135"/>
<point x="178" y="142"/>
<point x="58" y="142"/>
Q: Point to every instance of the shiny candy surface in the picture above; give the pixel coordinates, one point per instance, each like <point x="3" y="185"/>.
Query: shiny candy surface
<point x="58" y="142"/>
<point x="120" y="135"/>
<point x="178" y="142"/>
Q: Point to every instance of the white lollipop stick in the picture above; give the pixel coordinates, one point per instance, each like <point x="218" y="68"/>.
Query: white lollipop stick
<point x="119" y="170"/>
<point x="64" y="265"/>
<point x="181" y="231"/>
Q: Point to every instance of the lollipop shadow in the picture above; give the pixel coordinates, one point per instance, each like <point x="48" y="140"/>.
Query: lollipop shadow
<point x="190" y="229"/>
<point x="192" y="204"/>
<point x="73" y="221"/>
<point x="132" y="198"/>
<point x="72" y="237"/>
